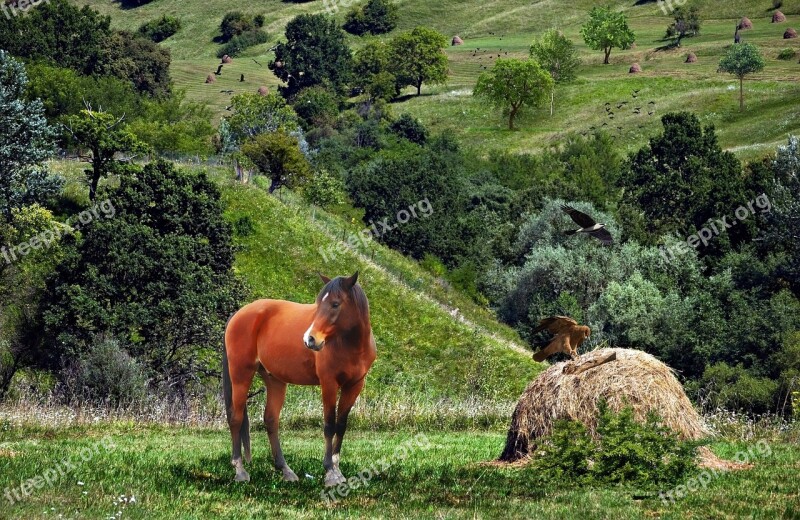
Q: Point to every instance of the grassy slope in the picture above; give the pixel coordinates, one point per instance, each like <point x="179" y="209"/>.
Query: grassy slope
<point x="185" y="473"/>
<point x="502" y="26"/>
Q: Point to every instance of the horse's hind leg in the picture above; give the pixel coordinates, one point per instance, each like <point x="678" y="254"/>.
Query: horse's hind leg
<point x="276" y="395"/>
<point x="241" y="379"/>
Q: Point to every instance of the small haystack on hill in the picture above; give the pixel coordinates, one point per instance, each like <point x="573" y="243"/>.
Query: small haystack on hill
<point x="211" y="79"/>
<point x="634" y="379"/>
<point x="745" y="24"/>
<point x="691" y="58"/>
<point x="457" y="41"/>
<point x="635" y="69"/>
<point x="778" y="17"/>
<point x="790" y="34"/>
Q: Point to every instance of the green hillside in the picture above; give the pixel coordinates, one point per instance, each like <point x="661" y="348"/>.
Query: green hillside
<point x="508" y="26"/>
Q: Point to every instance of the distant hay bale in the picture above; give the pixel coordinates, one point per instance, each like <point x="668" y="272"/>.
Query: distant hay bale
<point x="227" y="59"/>
<point x="790" y="34"/>
<point x="457" y="41"/>
<point x="210" y="79"/>
<point x="263" y="91"/>
<point x="745" y="24"/>
<point x="635" y="69"/>
<point x="634" y="379"/>
<point x="778" y="17"/>
<point x="691" y="58"/>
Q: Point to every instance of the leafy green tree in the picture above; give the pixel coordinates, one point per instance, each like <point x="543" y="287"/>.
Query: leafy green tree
<point x="103" y="136"/>
<point x="157" y="277"/>
<point x="557" y="55"/>
<point x="59" y="33"/>
<point x="315" y="53"/>
<point x="254" y="114"/>
<point x="741" y="60"/>
<point x="374" y="17"/>
<point x="686" y="24"/>
<point x="139" y="60"/>
<point x="175" y="125"/>
<point x="26" y="141"/>
<point x="606" y="30"/>
<point x="679" y="181"/>
<point x="236" y="23"/>
<point x="410" y="128"/>
<point x="418" y="57"/>
<point x="160" y="29"/>
<point x="317" y="107"/>
<point x="371" y="71"/>
<point x="513" y="84"/>
<point x="277" y="155"/>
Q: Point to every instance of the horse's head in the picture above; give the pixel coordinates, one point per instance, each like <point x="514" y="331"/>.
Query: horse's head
<point x="341" y="307"/>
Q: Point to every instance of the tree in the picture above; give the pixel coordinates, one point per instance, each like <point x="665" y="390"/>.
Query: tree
<point x="235" y="23"/>
<point x="742" y="60"/>
<point x="157" y="276"/>
<point x="317" y="107"/>
<point x="513" y="84"/>
<point x="371" y="71"/>
<point x="606" y="30"/>
<point x="686" y="24"/>
<point x="139" y="60"/>
<point x="160" y="29"/>
<point x="277" y="155"/>
<point x="418" y="57"/>
<point x="254" y="114"/>
<point x="315" y="53"/>
<point x="104" y="136"/>
<point x="375" y="17"/>
<point x="557" y="54"/>
<point x="26" y="141"/>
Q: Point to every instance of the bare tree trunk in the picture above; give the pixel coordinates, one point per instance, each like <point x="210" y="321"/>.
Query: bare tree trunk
<point x="552" y="101"/>
<point x="511" y="117"/>
<point x="608" y="53"/>
<point x="741" y="93"/>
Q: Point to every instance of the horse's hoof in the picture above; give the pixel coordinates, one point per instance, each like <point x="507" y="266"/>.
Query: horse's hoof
<point x="289" y="475"/>
<point x="334" y="478"/>
<point x="242" y="476"/>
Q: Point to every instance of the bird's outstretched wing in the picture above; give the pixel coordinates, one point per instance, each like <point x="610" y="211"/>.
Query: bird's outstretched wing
<point x="556" y="324"/>
<point x="580" y="218"/>
<point x="555" y="346"/>
<point x="603" y="236"/>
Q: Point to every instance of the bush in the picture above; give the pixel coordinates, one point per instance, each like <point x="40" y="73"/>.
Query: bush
<point x="410" y="128"/>
<point x="375" y="17"/>
<point x="106" y="372"/>
<point x="733" y="387"/>
<point x="235" y="23"/>
<point x="161" y="29"/>
<point x="787" y="54"/>
<point x="645" y="455"/>
<point x="325" y="190"/>
<point x="317" y="107"/>
<point x="243" y="41"/>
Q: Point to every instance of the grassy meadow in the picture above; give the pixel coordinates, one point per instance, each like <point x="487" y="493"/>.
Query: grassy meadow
<point x="503" y="28"/>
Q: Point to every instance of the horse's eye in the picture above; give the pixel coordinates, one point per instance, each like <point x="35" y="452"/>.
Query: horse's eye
<point x="335" y="305"/>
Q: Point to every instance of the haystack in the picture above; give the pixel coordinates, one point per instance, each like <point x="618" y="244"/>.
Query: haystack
<point x="263" y="91"/>
<point x="457" y="41"/>
<point x="790" y="34"/>
<point x="634" y="379"/>
<point x="210" y="78"/>
<point x="635" y="69"/>
<point x="227" y="59"/>
<point x="778" y="17"/>
<point x="691" y="58"/>
<point x="745" y="23"/>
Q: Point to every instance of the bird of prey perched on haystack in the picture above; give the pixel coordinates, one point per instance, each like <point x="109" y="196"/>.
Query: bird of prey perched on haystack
<point x="588" y="225"/>
<point x="568" y="336"/>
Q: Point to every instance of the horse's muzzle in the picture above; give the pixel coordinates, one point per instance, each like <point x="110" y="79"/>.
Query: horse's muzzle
<point x="312" y="344"/>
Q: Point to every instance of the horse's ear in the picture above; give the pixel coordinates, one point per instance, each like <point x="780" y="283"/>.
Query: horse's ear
<point x="324" y="278"/>
<point x="350" y="282"/>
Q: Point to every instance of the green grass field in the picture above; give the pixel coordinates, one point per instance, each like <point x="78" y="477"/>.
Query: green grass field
<point x="124" y="470"/>
<point x="508" y="26"/>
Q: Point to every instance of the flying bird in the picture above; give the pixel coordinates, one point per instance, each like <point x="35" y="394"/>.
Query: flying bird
<point x="219" y="70"/>
<point x="588" y="225"/>
<point x="568" y="336"/>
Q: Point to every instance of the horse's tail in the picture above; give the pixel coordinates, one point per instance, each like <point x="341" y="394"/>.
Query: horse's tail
<point x="227" y="392"/>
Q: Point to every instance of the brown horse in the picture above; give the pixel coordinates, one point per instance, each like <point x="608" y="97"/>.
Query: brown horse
<point x="329" y="343"/>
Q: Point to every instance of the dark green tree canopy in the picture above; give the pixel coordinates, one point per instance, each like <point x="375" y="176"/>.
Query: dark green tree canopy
<point x="315" y="53"/>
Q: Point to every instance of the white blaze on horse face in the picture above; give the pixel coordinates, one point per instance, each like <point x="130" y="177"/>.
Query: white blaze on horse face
<point x="326" y="296"/>
<point x="307" y="335"/>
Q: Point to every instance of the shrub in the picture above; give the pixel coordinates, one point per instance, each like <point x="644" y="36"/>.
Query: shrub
<point x="317" y="107"/>
<point x="277" y="155"/>
<point x="409" y="128"/>
<point x="787" y="54"/>
<point x="161" y="29"/>
<point x="375" y="17"/>
<point x="645" y="455"/>
<point x="235" y="23"/>
<point x="325" y="190"/>
<point x="734" y="387"/>
<point x="242" y="41"/>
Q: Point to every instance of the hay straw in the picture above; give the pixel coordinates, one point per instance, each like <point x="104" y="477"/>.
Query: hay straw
<point x="635" y="379"/>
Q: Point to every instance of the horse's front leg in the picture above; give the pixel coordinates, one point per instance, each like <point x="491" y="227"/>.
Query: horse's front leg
<point x="333" y="476"/>
<point x="346" y="401"/>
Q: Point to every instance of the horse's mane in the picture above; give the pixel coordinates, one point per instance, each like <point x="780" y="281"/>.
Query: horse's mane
<point x="357" y="295"/>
